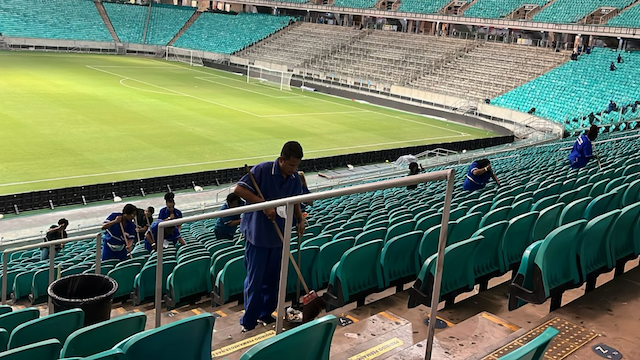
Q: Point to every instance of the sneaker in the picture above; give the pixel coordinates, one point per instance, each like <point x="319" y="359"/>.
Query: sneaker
<point x="244" y="330"/>
<point x="267" y="320"/>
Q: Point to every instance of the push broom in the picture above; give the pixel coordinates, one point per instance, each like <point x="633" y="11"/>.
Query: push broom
<point x="312" y="305"/>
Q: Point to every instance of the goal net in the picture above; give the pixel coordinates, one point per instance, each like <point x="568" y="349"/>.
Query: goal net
<point x="186" y="56"/>
<point x="271" y="77"/>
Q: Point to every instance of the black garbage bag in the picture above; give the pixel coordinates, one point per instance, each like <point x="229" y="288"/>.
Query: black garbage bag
<point x="93" y="293"/>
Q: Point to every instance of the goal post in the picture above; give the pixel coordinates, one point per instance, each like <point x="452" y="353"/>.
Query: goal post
<point x="271" y="77"/>
<point x="191" y="57"/>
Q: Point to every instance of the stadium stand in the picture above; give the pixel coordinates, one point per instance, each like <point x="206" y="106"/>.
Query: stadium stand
<point x="423" y="6"/>
<point x="356" y="4"/>
<point x="569" y="93"/>
<point x="627" y="18"/>
<point x="227" y="34"/>
<point x="128" y="20"/>
<point x="495" y="9"/>
<point x="42" y="19"/>
<point x="311" y="40"/>
<point x="488" y="70"/>
<point x="165" y="22"/>
<point x="567" y="11"/>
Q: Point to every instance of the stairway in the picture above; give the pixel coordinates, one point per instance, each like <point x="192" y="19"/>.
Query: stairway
<point x="107" y="21"/>
<point x="184" y="28"/>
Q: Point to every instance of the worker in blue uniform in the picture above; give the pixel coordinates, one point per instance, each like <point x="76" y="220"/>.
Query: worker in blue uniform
<point x="119" y="233"/>
<point x="263" y="253"/>
<point x="226" y="226"/>
<point x="171" y="236"/>
<point x="582" y="150"/>
<point x="478" y="175"/>
<point x="169" y="212"/>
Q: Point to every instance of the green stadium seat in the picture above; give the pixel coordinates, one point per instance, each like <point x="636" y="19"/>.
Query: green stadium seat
<point x="144" y="284"/>
<point x="96" y="338"/>
<point x="317" y="241"/>
<point x="534" y="349"/>
<point x="399" y="229"/>
<point x="482" y="208"/>
<point x="553" y="270"/>
<point x="369" y="235"/>
<point x="489" y="260"/>
<point x="594" y="248"/>
<point x="457" y="274"/>
<point x="125" y="276"/>
<point x="624" y="245"/>
<point x="11" y="320"/>
<point x="356" y="275"/>
<point x="457" y="213"/>
<point x="330" y="254"/>
<point x="189" y="338"/>
<point x="399" y="258"/>
<point x="354" y="223"/>
<point x="429" y="243"/>
<point x="4" y="339"/>
<point x="111" y="354"/>
<point x="188" y="279"/>
<point x="428" y="222"/>
<point x="5" y="309"/>
<point x="547" y="221"/>
<point x="348" y="233"/>
<point x="544" y="203"/>
<point x="598" y="188"/>
<point x="583" y="191"/>
<point x="39" y="287"/>
<point x="56" y="326"/>
<point x="496" y="215"/>
<point x="524" y="195"/>
<point x="614" y="183"/>
<point x="464" y="227"/>
<point x="632" y="194"/>
<point x="310" y="341"/>
<point x="139" y="260"/>
<point x="221" y="261"/>
<point x="229" y="281"/>
<point x="521" y="207"/>
<point x="506" y="201"/>
<point x="307" y="264"/>
<point x="598" y="206"/>
<point x="22" y="284"/>
<point x="43" y="350"/>
<point x="384" y="223"/>
<point x="574" y="210"/>
<point x="400" y="217"/>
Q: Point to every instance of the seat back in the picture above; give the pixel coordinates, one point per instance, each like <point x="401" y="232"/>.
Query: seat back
<point x="348" y="233"/>
<point x="307" y="264"/>
<point x="495" y="215"/>
<point x="310" y="341"/>
<point x="124" y="276"/>
<point x="230" y="280"/>
<point x="190" y="338"/>
<point x="489" y="258"/>
<point x="222" y="260"/>
<point x="625" y="228"/>
<point x="534" y="349"/>
<point x="428" y="222"/>
<point x="598" y="188"/>
<point x="316" y="241"/>
<point x="330" y="253"/>
<point x="42" y="350"/>
<point x="56" y="326"/>
<point x="399" y="257"/>
<point x="358" y="270"/>
<point x="400" y="228"/>
<point x="521" y="207"/>
<point x="598" y="206"/>
<point x="545" y="202"/>
<point x="505" y="201"/>
<point x="111" y="354"/>
<point x="632" y="194"/>
<point x="583" y="191"/>
<point x="103" y="336"/>
<point x="11" y="320"/>
<point x="482" y="207"/>
<point x="189" y="278"/>
<point x="594" y="247"/>
<point x="547" y="221"/>
<point x="145" y="281"/>
<point x="556" y="257"/>
<point x="369" y="235"/>
<point x="465" y="226"/>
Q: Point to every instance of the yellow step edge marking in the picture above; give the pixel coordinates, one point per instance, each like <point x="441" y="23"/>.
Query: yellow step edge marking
<point x="222" y="314"/>
<point x="243" y="344"/>
<point x="351" y="318"/>
<point x="136" y="310"/>
<point x="174" y="311"/>
<point x="121" y="310"/>
<point x="378" y="350"/>
<point x="389" y="316"/>
<point x="196" y="311"/>
<point x="499" y="321"/>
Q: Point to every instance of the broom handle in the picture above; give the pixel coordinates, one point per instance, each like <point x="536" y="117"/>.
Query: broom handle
<point x="293" y="261"/>
<point x="125" y="238"/>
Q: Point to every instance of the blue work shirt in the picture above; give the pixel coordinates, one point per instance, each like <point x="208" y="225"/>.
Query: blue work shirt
<point x="113" y="234"/>
<point x="153" y="231"/>
<point x="581" y="153"/>
<point x="222" y="224"/>
<point x="164" y="213"/>
<point x="474" y="182"/>
<point x="256" y="226"/>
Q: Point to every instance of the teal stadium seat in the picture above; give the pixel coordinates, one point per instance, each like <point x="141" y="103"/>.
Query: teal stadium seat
<point x="534" y="349"/>
<point x="188" y="279"/>
<point x="56" y="326"/>
<point x="43" y="350"/>
<point x="330" y="254"/>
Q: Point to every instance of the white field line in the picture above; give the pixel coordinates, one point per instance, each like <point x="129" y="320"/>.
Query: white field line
<point x="320" y="113"/>
<point x="151" y="91"/>
<point x="239" y="88"/>
<point x="175" y="91"/>
<point x="219" y="161"/>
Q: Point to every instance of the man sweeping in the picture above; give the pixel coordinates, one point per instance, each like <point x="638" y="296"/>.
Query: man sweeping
<point x="276" y="179"/>
<point x="582" y="150"/>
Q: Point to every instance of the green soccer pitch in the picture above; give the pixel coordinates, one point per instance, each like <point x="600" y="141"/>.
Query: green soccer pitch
<point x="72" y="119"/>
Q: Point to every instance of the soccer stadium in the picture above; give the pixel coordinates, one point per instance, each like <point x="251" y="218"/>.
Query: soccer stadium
<point x="319" y="179"/>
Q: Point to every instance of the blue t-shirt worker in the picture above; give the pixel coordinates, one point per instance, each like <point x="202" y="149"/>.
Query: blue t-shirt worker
<point x="169" y="212"/>
<point x="226" y="226"/>
<point x="582" y="150"/>
<point x="263" y="253"/>
<point x="171" y="236"/>
<point x="115" y="244"/>
<point x="478" y="175"/>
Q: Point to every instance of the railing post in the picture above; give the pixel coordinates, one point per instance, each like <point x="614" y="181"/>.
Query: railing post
<point x="158" y="295"/>
<point x="98" y="253"/>
<point x="284" y="268"/>
<point x="442" y="243"/>
<point x="51" y="274"/>
<point x="5" y="259"/>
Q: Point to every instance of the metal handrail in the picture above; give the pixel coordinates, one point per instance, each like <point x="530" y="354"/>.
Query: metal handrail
<point x="51" y="245"/>
<point x="290" y="202"/>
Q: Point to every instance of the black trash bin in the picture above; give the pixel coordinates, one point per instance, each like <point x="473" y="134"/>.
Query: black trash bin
<point x="92" y="293"/>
